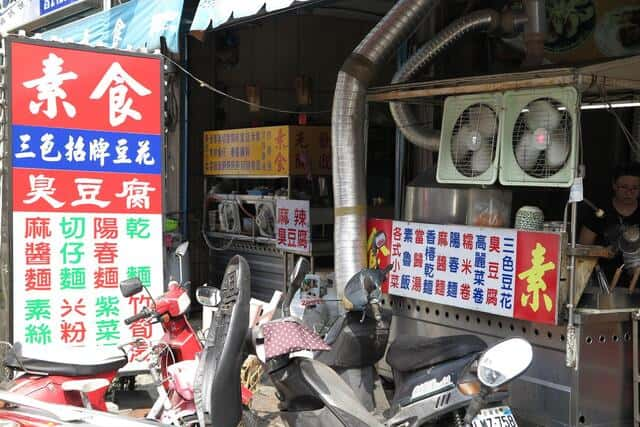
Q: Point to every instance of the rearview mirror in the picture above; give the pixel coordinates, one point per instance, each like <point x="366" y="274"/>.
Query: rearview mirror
<point x="504" y="361"/>
<point x="208" y="296"/>
<point x="130" y="287"/>
<point x="181" y="250"/>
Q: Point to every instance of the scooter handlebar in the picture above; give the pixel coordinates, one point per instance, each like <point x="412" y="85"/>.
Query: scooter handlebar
<point x="142" y="315"/>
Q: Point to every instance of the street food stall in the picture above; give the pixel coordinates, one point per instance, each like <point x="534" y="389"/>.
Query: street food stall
<point x="268" y="197"/>
<point x="487" y="242"/>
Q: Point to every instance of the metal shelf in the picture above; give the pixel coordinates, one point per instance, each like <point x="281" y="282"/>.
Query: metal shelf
<point x="245" y="197"/>
<point x="318" y="247"/>
<point x="241" y="237"/>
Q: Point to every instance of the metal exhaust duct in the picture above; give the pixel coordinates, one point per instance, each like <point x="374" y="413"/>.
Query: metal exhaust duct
<point x="347" y="132"/>
<point x="403" y="115"/>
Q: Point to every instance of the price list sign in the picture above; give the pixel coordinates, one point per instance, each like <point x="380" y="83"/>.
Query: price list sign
<point x="86" y="141"/>
<point x="501" y="271"/>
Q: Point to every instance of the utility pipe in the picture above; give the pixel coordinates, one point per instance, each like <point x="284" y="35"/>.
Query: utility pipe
<point x="347" y="132"/>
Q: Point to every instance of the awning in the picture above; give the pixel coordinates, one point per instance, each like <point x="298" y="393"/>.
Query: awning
<point x="133" y="25"/>
<point x="213" y="13"/>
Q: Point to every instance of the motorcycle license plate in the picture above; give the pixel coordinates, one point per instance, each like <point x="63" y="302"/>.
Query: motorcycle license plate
<point x="495" y="417"/>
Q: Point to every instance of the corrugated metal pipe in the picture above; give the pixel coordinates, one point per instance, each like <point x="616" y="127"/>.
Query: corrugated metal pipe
<point x="347" y="132"/>
<point x="534" y="34"/>
<point x="406" y="121"/>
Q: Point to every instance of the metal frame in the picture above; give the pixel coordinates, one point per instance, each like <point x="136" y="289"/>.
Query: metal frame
<point x="612" y="76"/>
<point x="635" y="318"/>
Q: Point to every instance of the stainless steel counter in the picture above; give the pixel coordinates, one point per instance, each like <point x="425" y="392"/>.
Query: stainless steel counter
<point x="598" y="393"/>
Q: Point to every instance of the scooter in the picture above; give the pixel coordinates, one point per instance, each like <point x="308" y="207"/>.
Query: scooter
<point x="447" y="380"/>
<point x="172" y="362"/>
<point x="233" y="315"/>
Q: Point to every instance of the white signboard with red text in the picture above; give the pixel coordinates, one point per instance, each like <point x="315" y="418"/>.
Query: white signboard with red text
<point x="293" y="228"/>
<point x="507" y="272"/>
<point x="86" y="135"/>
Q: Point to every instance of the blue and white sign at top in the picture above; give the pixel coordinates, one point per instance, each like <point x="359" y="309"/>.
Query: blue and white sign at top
<point x="48" y="6"/>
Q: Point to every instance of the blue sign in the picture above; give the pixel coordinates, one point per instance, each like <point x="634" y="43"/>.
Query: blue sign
<point x="132" y="25"/>
<point x="47" y="6"/>
<point x="85" y="150"/>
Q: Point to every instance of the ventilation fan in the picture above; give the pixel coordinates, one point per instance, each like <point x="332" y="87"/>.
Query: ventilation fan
<point x="538" y="137"/>
<point x="265" y="219"/>
<point x="229" y="216"/>
<point x="468" y="142"/>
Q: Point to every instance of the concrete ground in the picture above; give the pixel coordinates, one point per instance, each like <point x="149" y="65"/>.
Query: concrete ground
<point x="265" y="406"/>
<point x="136" y="403"/>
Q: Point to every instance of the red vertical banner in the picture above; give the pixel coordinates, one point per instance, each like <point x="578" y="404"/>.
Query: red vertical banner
<point x="537" y="275"/>
<point x="379" y="245"/>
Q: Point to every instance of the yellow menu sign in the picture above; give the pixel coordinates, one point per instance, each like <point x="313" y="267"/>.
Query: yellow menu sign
<point x="268" y="151"/>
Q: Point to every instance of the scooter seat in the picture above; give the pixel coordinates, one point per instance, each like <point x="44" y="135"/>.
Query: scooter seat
<point x="409" y="353"/>
<point x="77" y="364"/>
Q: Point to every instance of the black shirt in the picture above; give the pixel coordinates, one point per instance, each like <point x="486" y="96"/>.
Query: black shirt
<point x="607" y="230"/>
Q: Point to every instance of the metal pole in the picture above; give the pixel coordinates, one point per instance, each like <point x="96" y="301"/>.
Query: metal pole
<point x="571" y="347"/>
<point x="635" y="318"/>
<point x="106" y="4"/>
<point x="401" y="150"/>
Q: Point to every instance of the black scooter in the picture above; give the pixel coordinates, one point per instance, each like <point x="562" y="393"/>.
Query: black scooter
<point x="444" y="380"/>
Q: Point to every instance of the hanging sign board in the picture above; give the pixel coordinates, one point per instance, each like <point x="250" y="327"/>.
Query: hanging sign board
<point x="87" y="192"/>
<point x="501" y="271"/>
<point x="268" y="151"/>
<point x="293" y="228"/>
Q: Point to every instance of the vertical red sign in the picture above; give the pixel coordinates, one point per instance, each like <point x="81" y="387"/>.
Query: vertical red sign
<point x="537" y="273"/>
<point x="86" y="156"/>
<point x="379" y="245"/>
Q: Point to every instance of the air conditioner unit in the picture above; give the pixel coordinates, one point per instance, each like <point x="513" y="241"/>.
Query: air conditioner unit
<point x="538" y="137"/>
<point x="469" y="147"/>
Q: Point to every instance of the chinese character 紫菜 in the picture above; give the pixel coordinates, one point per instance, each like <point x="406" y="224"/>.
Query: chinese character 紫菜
<point x="49" y="88"/>
<point x="117" y="81"/>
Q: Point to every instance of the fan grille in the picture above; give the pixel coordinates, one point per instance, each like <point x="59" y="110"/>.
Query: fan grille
<point x="474" y="140"/>
<point x="550" y="127"/>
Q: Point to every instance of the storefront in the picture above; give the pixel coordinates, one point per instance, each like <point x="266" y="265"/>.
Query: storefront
<point x="460" y="268"/>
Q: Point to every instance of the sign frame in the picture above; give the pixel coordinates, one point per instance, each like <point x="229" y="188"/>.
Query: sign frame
<point x="9" y="43"/>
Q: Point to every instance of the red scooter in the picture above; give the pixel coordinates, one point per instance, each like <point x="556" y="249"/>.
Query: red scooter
<point x="82" y="378"/>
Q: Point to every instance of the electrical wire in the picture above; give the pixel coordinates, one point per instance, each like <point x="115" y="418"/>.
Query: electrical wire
<point x="631" y="140"/>
<point x="206" y="85"/>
